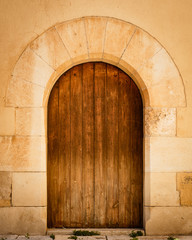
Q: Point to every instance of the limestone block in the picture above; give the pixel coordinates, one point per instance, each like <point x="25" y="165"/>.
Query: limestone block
<point x="29" y="189"/>
<point x="184" y="120"/>
<point x="184" y="185"/>
<point x="74" y="38"/>
<point x="22" y="220"/>
<point x="5" y="189"/>
<point x="50" y="48"/>
<point x="118" y="35"/>
<point x="160" y="189"/>
<point x="140" y="49"/>
<point x="24" y="94"/>
<point x="160" y="121"/>
<point x="168" y="154"/>
<point x="22" y="154"/>
<point x="95" y="31"/>
<point x="32" y="68"/>
<point x="168" y="220"/>
<point x="30" y="121"/>
<point x="7" y="121"/>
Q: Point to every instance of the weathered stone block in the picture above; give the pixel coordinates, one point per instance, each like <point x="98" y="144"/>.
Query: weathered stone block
<point x="184" y="185"/>
<point x="74" y="38"/>
<point x="168" y="154"/>
<point x="24" y="94"/>
<point x="7" y="121"/>
<point x="168" y="220"/>
<point x="160" y="190"/>
<point x="160" y="121"/>
<point x="5" y="189"/>
<point x="22" y="220"/>
<point x="29" y="189"/>
<point x="118" y="35"/>
<point x="30" y="121"/>
<point x="22" y="154"/>
<point x="50" y="48"/>
<point x="184" y="120"/>
<point x="95" y="29"/>
<point x="32" y="68"/>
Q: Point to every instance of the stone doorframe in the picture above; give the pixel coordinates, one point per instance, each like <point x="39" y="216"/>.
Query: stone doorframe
<point x="87" y="39"/>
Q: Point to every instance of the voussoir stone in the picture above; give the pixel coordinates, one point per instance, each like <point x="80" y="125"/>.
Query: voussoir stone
<point x="184" y="186"/>
<point x="50" y="47"/>
<point x="5" y="189"/>
<point x="118" y="35"/>
<point x="32" y="68"/>
<point x="7" y="127"/>
<point x="73" y="36"/>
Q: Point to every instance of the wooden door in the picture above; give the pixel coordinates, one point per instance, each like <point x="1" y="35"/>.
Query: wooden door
<point x="95" y="149"/>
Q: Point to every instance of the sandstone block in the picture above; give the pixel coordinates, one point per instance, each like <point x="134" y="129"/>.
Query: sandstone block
<point x="95" y="31"/>
<point x="184" y="119"/>
<point x="118" y="35"/>
<point x="168" y="154"/>
<point x="50" y="48"/>
<point x="160" y="190"/>
<point x="22" y="154"/>
<point x="168" y="220"/>
<point x="7" y="121"/>
<point x="29" y="189"/>
<point x="140" y="49"/>
<point x="74" y="37"/>
<point x="160" y="121"/>
<point x="184" y="185"/>
<point x="5" y="189"/>
<point x="22" y="220"/>
<point x="24" y="94"/>
<point x="30" y="121"/>
<point x="32" y="68"/>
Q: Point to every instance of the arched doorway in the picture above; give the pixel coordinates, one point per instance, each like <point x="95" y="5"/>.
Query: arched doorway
<point x="95" y="149"/>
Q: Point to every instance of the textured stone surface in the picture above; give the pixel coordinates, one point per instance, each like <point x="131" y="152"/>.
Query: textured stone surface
<point x="50" y="48"/>
<point x="168" y="154"/>
<point x="168" y="220"/>
<point x="32" y="68"/>
<point x="30" y="121"/>
<point x="7" y="121"/>
<point x="24" y="94"/>
<point x="184" y="120"/>
<point x="160" y="121"/>
<point x="29" y="189"/>
<point x="22" y="154"/>
<point x="160" y="190"/>
<point x="95" y="29"/>
<point x="118" y="35"/>
<point x="74" y="38"/>
<point x="5" y="189"/>
<point x="22" y="220"/>
<point x="141" y="45"/>
<point x="184" y="185"/>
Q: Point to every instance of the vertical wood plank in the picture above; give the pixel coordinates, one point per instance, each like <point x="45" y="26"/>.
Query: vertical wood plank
<point x="76" y="146"/>
<point x="88" y="146"/>
<point x="124" y="150"/>
<point x="111" y="118"/>
<point x="53" y="158"/>
<point x="64" y="149"/>
<point x="100" y="156"/>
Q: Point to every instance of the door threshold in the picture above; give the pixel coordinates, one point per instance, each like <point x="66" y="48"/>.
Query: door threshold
<point x="102" y="231"/>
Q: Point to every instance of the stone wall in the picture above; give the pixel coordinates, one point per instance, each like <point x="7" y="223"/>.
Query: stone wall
<point x="32" y="61"/>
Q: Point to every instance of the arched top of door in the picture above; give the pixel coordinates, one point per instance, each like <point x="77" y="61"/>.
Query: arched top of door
<point x="88" y="39"/>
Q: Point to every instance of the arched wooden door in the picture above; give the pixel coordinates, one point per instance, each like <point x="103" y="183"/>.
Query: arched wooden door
<point x="95" y="149"/>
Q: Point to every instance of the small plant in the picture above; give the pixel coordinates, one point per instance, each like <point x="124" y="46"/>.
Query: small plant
<point x="3" y="238"/>
<point x="27" y="235"/>
<point x="134" y="238"/>
<point x="172" y="238"/>
<point x="85" y="233"/>
<point x="52" y="236"/>
<point x="134" y="234"/>
<point x="72" y="237"/>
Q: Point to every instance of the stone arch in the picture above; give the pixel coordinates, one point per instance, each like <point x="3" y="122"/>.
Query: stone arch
<point x="96" y="39"/>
